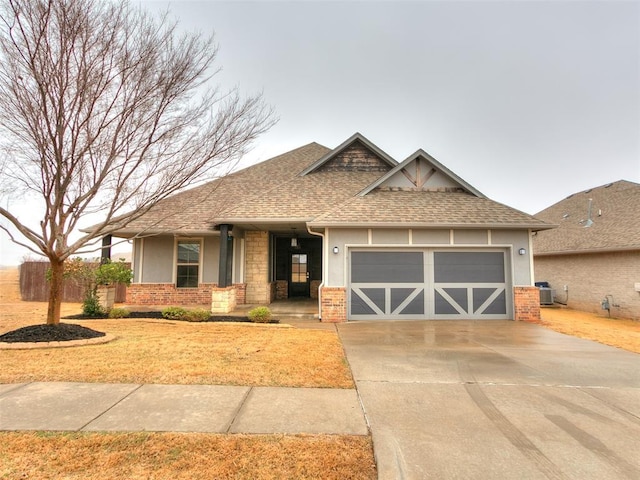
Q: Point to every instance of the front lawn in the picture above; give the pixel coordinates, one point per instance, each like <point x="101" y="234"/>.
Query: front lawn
<point x="174" y="352"/>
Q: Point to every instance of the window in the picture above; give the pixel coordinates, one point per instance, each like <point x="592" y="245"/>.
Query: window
<point x="188" y="264"/>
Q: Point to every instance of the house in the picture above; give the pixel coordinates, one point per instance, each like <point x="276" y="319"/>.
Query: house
<point x="367" y="236"/>
<point x="594" y="254"/>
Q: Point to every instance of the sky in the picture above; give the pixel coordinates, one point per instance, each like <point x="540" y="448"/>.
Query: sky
<point x="528" y="101"/>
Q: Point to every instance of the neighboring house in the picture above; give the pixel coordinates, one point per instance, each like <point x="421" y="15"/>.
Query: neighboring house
<point x="594" y="254"/>
<point x="370" y="238"/>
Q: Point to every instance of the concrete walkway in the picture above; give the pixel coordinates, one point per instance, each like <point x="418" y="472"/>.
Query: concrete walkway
<point x="179" y="408"/>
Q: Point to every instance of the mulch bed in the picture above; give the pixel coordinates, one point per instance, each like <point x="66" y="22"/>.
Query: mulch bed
<point x="62" y="332"/>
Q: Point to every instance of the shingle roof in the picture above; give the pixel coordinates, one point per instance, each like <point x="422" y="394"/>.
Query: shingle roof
<point x="431" y="209"/>
<point x="615" y="213"/>
<point x="197" y="209"/>
<point x="275" y="191"/>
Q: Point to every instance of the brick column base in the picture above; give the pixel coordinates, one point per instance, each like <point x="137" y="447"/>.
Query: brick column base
<point x="333" y="306"/>
<point x="526" y="304"/>
<point x="223" y="300"/>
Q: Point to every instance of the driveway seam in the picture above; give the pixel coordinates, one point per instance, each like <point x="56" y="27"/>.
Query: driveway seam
<point x="17" y="387"/>
<point x="111" y="407"/>
<point x="238" y="410"/>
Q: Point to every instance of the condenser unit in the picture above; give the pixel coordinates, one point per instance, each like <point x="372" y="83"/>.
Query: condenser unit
<point x="546" y="296"/>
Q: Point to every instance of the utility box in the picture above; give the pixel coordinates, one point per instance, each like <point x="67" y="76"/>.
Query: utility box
<point x="546" y="296"/>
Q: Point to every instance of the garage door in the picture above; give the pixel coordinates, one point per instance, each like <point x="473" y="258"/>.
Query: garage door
<point x="428" y="284"/>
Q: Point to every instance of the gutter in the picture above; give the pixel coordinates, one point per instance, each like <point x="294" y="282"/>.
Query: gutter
<point x="492" y="226"/>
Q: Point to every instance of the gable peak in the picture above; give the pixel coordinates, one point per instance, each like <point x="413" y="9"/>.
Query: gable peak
<point x="356" y="154"/>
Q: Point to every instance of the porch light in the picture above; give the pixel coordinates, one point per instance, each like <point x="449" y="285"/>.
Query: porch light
<point x="336" y="249"/>
<point x="294" y="241"/>
<point x="522" y="251"/>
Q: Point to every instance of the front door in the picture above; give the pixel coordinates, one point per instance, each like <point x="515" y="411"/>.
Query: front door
<point x="299" y="279"/>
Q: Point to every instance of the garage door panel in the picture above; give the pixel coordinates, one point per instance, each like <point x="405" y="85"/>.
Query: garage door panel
<point x="359" y="306"/>
<point x="407" y="301"/>
<point x="498" y="306"/>
<point x="387" y="267"/>
<point x="468" y="267"/>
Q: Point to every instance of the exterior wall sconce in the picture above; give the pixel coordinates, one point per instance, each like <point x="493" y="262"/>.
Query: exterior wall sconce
<point x="522" y="251"/>
<point x="294" y="242"/>
<point x="336" y="249"/>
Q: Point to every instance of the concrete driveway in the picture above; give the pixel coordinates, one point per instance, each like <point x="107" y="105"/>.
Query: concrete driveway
<point x="495" y="400"/>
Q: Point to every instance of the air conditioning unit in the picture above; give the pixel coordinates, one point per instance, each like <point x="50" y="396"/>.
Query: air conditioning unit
<point x="546" y="296"/>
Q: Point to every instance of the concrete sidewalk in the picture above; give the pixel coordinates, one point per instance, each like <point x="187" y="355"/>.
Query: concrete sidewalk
<point x="180" y="408"/>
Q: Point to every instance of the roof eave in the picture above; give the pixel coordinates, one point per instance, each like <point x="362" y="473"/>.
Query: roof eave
<point x="492" y="226"/>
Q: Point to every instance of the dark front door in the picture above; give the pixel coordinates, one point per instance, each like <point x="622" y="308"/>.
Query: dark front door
<point x="299" y="278"/>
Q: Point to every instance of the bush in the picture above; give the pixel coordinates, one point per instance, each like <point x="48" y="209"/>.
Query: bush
<point x="91" y="305"/>
<point x="197" y="315"/>
<point x="259" y="315"/>
<point x="174" y="313"/>
<point x="179" y="313"/>
<point x="110" y="273"/>
<point x="118" y="312"/>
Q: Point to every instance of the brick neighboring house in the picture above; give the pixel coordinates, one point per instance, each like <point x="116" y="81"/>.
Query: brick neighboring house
<point x="369" y="237"/>
<point x="595" y="251"/>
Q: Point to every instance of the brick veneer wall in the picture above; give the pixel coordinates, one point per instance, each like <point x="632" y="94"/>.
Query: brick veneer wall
<point x="589" y="277"/>
<point x="526" y="304"/>
<point x="315" y="284"/>
<point x="333" y="304"/>
<point x="241" y="293"/>
<point x="282" y="289"/>
<point x="168" y="294"/>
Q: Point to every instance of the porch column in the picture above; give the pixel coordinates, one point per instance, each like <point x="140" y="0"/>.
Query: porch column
<point x="257" y="268"/>
<point x="223" y="268"/>
<point x="105" y="255"/>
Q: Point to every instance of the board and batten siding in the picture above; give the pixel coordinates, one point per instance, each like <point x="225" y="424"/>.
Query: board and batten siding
<point x="155" y="259"/>
<point x="337" y="265"/>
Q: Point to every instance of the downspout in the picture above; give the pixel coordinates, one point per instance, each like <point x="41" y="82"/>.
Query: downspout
<point x="324" y="269"/>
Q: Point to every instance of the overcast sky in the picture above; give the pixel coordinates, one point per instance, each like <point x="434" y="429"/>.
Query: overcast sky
<point x="527" y="101"/>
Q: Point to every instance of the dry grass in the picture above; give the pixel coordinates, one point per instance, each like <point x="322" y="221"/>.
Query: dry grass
<point x="619" y="333"/>
<point x="184" y="456"/>
<point x="156" y="351"/>
<point x="172" y="352"/>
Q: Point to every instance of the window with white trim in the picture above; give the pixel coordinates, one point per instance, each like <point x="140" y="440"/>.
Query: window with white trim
<point x="188" y="263"/>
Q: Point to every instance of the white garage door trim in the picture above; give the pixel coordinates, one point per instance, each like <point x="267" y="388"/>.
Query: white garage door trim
<point x="428" y="283"/>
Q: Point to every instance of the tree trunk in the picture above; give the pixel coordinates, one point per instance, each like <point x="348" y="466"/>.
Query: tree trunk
<point x="56" y="285"/>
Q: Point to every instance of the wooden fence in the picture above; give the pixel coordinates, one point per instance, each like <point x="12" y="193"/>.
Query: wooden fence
<point x="34" y="286"/>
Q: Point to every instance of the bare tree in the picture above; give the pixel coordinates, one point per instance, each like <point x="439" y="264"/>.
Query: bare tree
<point x="105" y="109"/>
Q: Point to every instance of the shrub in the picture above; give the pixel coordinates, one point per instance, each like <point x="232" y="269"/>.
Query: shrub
<point x="259" y="315"/>
<point x="91" y="304"/>
<point x="174" y="313"/>
<point x="118" y="312"/>
<point x="113" y="272"/>
<point x="179" y="313"/>
<point x="197" y="315"/>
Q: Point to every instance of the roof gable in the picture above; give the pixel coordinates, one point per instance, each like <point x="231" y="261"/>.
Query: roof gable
<point x="356" y="154"/>
<point x="422" y="172"/>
